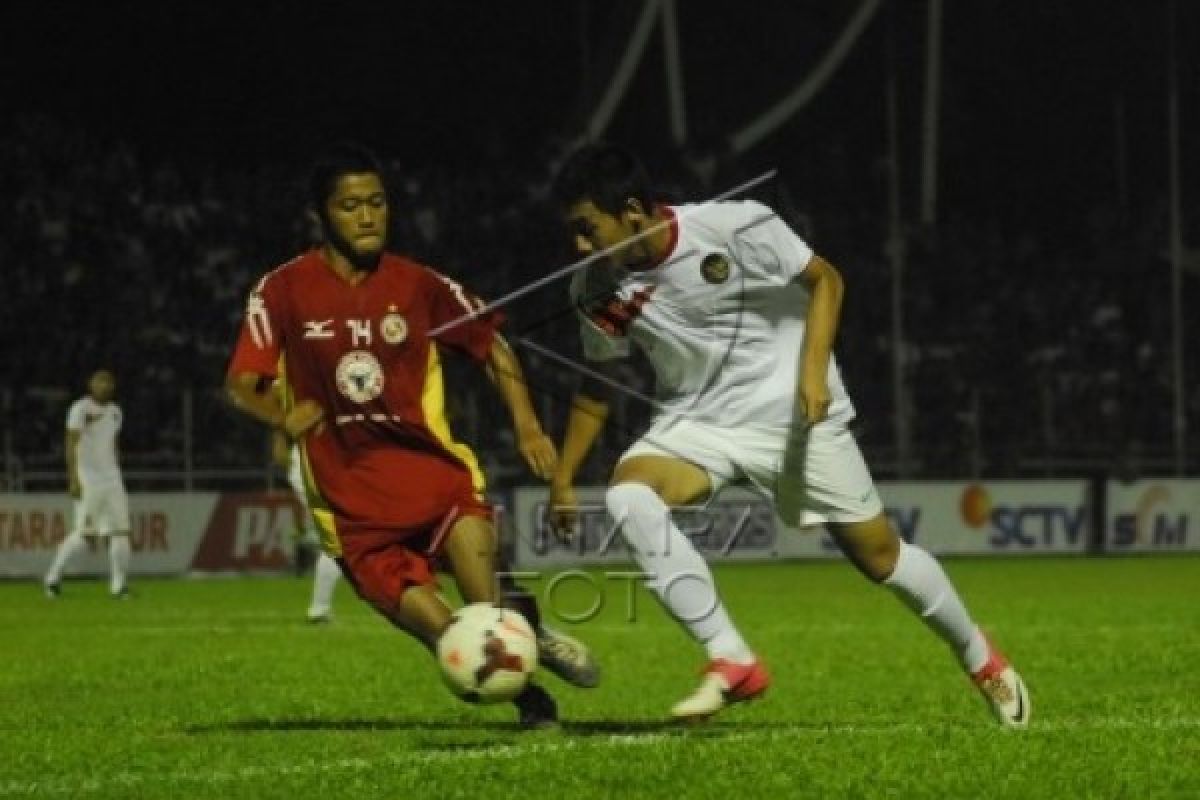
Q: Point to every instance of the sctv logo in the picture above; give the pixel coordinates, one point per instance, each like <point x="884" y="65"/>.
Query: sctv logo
<point x="1027" y="525"/>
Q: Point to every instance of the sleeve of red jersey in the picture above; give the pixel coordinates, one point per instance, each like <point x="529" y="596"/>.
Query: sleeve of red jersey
<point x="466" y="330"/>
<point x="259" y="344"/>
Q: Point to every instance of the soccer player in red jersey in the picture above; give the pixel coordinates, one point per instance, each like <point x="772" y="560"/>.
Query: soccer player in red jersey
<point x="390" y="488"/>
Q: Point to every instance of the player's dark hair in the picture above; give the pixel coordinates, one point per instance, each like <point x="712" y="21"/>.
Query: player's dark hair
<point x="607" y="175"/>
<point x="344" y="158"/>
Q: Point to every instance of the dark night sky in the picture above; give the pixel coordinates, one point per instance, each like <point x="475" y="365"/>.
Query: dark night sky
<point x="1029" y="98"/>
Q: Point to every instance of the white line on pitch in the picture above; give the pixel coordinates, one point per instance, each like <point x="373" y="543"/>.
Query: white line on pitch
<point x="505" y="751"/>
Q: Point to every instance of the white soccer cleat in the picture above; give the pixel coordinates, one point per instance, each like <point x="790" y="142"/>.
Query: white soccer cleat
<point x="568" y="658"/>
<point x="724" y="683"/>
<point x="1003" y="690"/>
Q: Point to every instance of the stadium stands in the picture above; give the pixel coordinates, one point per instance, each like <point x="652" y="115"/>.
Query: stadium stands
<point x="1028" y="354"/>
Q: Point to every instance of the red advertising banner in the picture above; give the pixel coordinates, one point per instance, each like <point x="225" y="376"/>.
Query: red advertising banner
<point x="249" y="531"/>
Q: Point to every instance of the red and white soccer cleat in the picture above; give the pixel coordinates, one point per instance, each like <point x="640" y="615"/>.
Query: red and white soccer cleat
<point x="724" y="683"/>
<point x="1003" y="689"/>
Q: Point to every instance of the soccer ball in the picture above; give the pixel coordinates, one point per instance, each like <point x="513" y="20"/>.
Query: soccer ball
<point x="487" y="654"/>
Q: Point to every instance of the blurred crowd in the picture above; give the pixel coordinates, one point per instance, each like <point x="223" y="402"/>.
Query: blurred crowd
<point x="1023" y="354"/>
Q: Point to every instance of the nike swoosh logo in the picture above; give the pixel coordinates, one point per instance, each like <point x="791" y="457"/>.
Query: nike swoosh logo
<point x="1020" y="715"/>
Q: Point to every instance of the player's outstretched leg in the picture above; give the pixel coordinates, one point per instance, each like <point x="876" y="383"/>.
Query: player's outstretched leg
<point x="563" y="655"/>
<point x="680" y="578"/>
<point x="67" y="549"/>
<point x="470" y="548"/>
<point x="921" y="583"/>
<point x="119" y="554"/>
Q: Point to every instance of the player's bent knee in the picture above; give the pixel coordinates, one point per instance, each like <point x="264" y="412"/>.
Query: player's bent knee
<point x="881" y="560"/>
<point x="675" y="482"/>
<point x="871" y="545"/>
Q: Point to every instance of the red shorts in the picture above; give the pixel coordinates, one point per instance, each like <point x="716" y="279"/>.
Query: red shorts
<point x="382" y="565"/>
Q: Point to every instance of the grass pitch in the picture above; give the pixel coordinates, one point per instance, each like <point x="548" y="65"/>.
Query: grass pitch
<point x="218" y="689"/>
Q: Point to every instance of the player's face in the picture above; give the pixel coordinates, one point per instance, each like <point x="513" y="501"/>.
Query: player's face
<point x="102" y="386"/>
<point x="356" y="218"/>
<point x="594" y="230"/>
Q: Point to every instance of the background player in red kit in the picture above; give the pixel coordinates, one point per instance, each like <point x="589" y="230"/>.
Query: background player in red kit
<point x="390" y="488"/>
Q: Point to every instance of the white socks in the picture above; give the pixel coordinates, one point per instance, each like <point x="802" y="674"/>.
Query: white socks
<point x="325" y="578"/>
<point x="675" y="571"/>
<point x="118" y="560"/>
<point x="66" y="551"/>
<point x="921" y="583"/>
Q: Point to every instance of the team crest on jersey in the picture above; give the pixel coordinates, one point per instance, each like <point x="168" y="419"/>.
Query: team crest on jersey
<point x="359" y="376"/>
<point x="715" y="268"/>
<point x="393" y="328"/>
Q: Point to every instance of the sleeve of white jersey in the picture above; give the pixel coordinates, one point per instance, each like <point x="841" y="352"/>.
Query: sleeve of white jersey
<point x="766" y="243"/>
<point x="75" y="417"/>
<point x="598" y="345"/>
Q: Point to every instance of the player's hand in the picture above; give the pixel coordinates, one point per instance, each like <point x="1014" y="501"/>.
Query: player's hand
<point x="538" y="451"/>
<point x="814" y="398"/>
<point x="73" y="487"/>
<point x="307" y="417"/>
<point x="562" y="511"/>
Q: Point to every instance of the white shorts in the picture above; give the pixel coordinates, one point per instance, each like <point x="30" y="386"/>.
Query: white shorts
<point x="102" y="510"/>
<point x="814" y="477"/>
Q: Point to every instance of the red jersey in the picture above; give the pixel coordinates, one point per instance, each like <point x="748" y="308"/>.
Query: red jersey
<point x="363" y="354"/>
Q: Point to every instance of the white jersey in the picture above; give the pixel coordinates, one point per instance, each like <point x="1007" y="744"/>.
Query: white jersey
<point x="97" y="426"/>
<point x="721" y="319"/>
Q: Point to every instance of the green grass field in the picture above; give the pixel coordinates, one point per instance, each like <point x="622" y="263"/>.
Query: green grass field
<point x="218" y="689"/>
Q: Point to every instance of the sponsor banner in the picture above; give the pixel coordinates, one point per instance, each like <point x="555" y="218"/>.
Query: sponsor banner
<point x="1153" y="516"/>
<point x="249" y="532"/>
<point x="739" y="525"/>
<point x="991" y="517"/>
<point x="988" y="518"/>
<point x="172" y="533"/>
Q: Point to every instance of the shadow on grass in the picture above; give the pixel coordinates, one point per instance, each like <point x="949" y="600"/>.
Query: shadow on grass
<point x="348" y="724"/>
<point x="581" y="728"/>
<point x="584" y="728"/>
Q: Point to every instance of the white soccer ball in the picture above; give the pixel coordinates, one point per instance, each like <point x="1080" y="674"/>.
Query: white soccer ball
<point x="487" y="654"/>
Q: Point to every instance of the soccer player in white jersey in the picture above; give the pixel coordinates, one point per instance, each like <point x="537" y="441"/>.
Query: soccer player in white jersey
<point x="737" y="315"/>
<point x="94" y="480"/>
<point x="325" y="570"/>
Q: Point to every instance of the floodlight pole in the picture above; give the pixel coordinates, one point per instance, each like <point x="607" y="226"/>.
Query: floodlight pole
<point x="674" y="66"/>
<point x="931" y="112"/>
<point x="897" y="253"/>
<point x="1176" y="242"/>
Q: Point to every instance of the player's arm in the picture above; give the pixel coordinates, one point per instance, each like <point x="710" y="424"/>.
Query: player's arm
<point x="245" y="392"/>
<point x="826" y="288"/>
<point x="589" y="412"/>
<point x="250" y="381"/>
<point x="505" y="371"/>
<point x="71" y="450"/>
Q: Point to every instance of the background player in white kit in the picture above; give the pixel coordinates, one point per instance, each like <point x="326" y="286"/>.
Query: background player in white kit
<point x="325" y="569"/>
<point x="737" y="316"/>
<point x="94" y="480"/>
